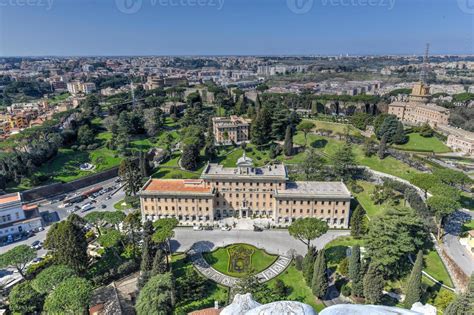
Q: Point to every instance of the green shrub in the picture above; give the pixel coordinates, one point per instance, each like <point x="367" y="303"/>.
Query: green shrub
<point x="346" y="290"/>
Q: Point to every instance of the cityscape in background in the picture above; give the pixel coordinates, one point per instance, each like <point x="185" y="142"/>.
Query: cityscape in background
<point x="217" y="157"/>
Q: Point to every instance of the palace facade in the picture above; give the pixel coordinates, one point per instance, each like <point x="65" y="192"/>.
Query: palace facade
<point x="245" y="191"/>
<point x="233" y="129"/>
<point x="418" y="111"/>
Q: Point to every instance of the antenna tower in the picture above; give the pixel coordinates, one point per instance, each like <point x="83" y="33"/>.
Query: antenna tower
<point x="426" y="65"/>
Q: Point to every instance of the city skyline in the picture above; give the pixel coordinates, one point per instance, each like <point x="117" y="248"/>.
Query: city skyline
<point x="238" y="28"/>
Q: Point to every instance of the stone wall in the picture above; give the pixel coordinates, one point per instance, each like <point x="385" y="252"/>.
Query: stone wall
<point x="55" y="189"/>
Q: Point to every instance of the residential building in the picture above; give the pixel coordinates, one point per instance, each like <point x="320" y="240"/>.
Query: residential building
<point x="245" y="191"/>
<point x="418" y="111"/>
<point x="76" y="87"/>
<point x="16" y="218"/>
<point x="233" y="129"/>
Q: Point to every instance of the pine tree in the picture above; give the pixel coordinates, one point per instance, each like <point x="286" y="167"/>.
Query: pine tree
<point x="373" y="285"/>
<point x="320" y="281"/>
<point x="413" y="289"/>
<point x="159" y="263"/>
<point x="288" y="146"/>
<point x="358" y="226"/>
<point x="308" y="265"/>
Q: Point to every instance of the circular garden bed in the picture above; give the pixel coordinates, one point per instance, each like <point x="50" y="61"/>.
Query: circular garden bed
<point x="239" y="260"/>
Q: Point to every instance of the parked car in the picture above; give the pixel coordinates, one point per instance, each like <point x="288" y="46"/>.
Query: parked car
<point x="197" y="228"/>
<point x="225" y="228"/>
<point x="208" y="228"/>
<point x="103" y="206"/>
<point x="36" y="245"/>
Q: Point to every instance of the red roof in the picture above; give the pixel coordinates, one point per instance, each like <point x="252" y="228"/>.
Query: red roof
<point x="9" y="198"/>
<point x="177" y="185"/>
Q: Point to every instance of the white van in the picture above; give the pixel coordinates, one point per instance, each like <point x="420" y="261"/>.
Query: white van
<point x="87" y="207"/>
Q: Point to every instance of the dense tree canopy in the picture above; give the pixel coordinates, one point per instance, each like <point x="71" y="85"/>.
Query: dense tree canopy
<point x="18" y="257"/>
<point x="307" y="229"/>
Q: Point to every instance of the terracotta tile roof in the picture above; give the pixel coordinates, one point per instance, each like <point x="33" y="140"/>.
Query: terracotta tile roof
<point x="177" y="185"/>
<point x="9" y="198"/>
<point x="206" y="311"/>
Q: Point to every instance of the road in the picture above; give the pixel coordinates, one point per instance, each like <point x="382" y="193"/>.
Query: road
<point x="55" y="207"/>
<point x="10" y="275"/>
<point x="452" y="246"/>
<point x="273" y="241"/>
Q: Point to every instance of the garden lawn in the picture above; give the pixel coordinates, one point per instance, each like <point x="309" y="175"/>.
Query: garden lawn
<point x="65" y="166"/>
<point x="229" y="155"/>
<point x="365" y="200"/>
<point x="336" y="250"/>
<point x="418" y="143"/>
<point x="214" y="292"/>
<point x="435" y="267"/>
<point x="299" y="291"/>
<point x="171" y="170"/>
<point x="220" y="260"/>
<point x="329" y="146"/>
<point x="333" y="126"/>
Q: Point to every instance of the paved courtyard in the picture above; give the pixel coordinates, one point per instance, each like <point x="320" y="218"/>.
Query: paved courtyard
<point x="277" y="242"/>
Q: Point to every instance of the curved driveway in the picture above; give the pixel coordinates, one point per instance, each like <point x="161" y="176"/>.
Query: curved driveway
<point x="273" y="241"/>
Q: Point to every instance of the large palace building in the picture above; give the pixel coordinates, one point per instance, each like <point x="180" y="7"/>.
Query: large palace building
<point x="245" y="192"/>
<point x="418" y="111"/>
<point x="233" y="129"/>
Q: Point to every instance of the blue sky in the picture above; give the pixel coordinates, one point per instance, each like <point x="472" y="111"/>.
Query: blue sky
<point x="239" y="27"/>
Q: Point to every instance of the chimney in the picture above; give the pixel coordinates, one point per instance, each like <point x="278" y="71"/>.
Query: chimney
<point x="216" y="305"/>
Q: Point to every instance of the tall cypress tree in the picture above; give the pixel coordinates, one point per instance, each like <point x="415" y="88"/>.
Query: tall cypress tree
<point x="373" y="285"/>
<point x="159" y="263"/>
<point x="358" y="227"/>
<point x="261" y="129"/>
<point x="464" y="303"/>
<point x="288" y="145"/>
<point x="382" y="147"/>
<point x="320" y="282"/>
<point x="413" y="289"/>
<point x="308" y="265"/>
<point x="355" y="272"/>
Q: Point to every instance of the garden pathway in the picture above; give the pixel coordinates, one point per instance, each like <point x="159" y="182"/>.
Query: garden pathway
<point x="205" y="269"/>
